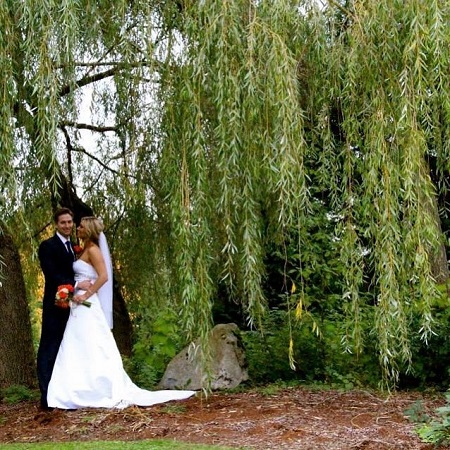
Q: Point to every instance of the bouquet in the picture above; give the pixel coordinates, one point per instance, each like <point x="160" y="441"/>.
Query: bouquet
<point x="64" y="296"/>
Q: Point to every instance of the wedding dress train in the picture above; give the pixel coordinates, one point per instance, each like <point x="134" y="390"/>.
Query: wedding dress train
<point x="88" y="370"/>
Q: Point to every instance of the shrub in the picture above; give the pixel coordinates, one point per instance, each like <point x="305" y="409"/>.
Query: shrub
<point x="18" y="393"/>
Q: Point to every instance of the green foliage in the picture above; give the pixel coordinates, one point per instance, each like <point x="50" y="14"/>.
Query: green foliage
<point x="225" y="129"/>
<point x="318" y="359"/>
<point x="430" y="359"/>
<point x="416" y="413"/>
<point x="17" y="393"/>
<point x="437" y="431"/>
<point x="157" y="343"/>
<point x="173" y="409"/>
<point x="267" y="353"/>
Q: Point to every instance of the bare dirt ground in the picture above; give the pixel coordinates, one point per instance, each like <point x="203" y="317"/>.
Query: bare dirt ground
<point x="292" y="418"/>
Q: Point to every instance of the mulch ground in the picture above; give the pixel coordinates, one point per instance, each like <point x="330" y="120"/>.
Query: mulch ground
<point x="292" y="418"/>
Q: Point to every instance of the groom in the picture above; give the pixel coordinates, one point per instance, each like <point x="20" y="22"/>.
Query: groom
<point x="56" y="257"/>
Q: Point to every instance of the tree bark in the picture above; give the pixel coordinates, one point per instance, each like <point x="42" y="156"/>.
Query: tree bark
<point x="438" y="257"/>
<point x="123" y="328"/>
<point x="17" y="359"/>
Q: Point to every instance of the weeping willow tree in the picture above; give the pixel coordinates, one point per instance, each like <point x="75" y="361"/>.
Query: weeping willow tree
<point x="359" y="88"/>
<point x="208" y="120"/>
<point x="387" y="80"/>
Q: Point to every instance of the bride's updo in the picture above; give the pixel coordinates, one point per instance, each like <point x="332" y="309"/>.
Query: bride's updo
<point x="93" y="227"/>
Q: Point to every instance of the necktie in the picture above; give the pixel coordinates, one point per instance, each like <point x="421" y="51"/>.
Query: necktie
<point x="69" y="248"/>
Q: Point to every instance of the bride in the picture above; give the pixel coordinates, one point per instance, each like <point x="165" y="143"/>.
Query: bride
<point x="88" y="370"/>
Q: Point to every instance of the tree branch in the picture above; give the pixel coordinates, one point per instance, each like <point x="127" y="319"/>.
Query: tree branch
<point x="89" y="79"/>
<point x="69" y="154"/>
<point x="65" y="90"/>
<point x="82" y="150"/>
<point x="343" y="9"/>
<point x="86" y="126"/>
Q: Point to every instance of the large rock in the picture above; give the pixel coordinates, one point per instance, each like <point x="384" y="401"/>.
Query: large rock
<point x="228" y="367"/>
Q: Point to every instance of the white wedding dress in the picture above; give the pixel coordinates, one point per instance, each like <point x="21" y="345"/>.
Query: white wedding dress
<point x="88" y="370"/>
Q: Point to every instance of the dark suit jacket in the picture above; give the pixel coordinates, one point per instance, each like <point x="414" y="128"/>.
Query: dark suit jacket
<point x="56" y="263"/>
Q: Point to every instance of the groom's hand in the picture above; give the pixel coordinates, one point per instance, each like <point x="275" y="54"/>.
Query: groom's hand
<point x="84" y="285"/>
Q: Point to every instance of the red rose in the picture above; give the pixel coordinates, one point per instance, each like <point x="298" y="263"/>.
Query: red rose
<point x="62" y="304"/>
<point x="77" y="249"/>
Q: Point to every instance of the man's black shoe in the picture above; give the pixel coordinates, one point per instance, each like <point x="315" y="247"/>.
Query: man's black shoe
<point x="44" y="407"/>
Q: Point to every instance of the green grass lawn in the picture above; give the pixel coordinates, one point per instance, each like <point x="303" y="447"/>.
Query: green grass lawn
<point x="113" y="445"/>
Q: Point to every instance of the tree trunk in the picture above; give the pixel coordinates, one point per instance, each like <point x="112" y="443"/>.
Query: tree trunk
<point x="17" y="359"/>
<point x="123" y="327"/>
<point x="438" y="257"/>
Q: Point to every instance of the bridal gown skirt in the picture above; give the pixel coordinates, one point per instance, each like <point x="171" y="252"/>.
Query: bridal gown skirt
<point x="88" y="370"/>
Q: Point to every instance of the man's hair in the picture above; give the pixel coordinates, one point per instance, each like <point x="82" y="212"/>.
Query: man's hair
<point x="61" y="212"/>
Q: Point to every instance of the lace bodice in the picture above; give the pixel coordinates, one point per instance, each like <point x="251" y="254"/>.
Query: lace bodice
<point x="84" y="271"/>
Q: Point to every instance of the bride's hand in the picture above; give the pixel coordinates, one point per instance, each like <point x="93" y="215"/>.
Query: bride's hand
<point x="81" y="298"/>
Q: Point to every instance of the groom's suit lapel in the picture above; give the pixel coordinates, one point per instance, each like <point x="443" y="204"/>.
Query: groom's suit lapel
<point x="61" y="249"/>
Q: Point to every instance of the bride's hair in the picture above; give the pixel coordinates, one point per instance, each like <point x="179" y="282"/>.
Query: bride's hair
<point x="93" y="227"/>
